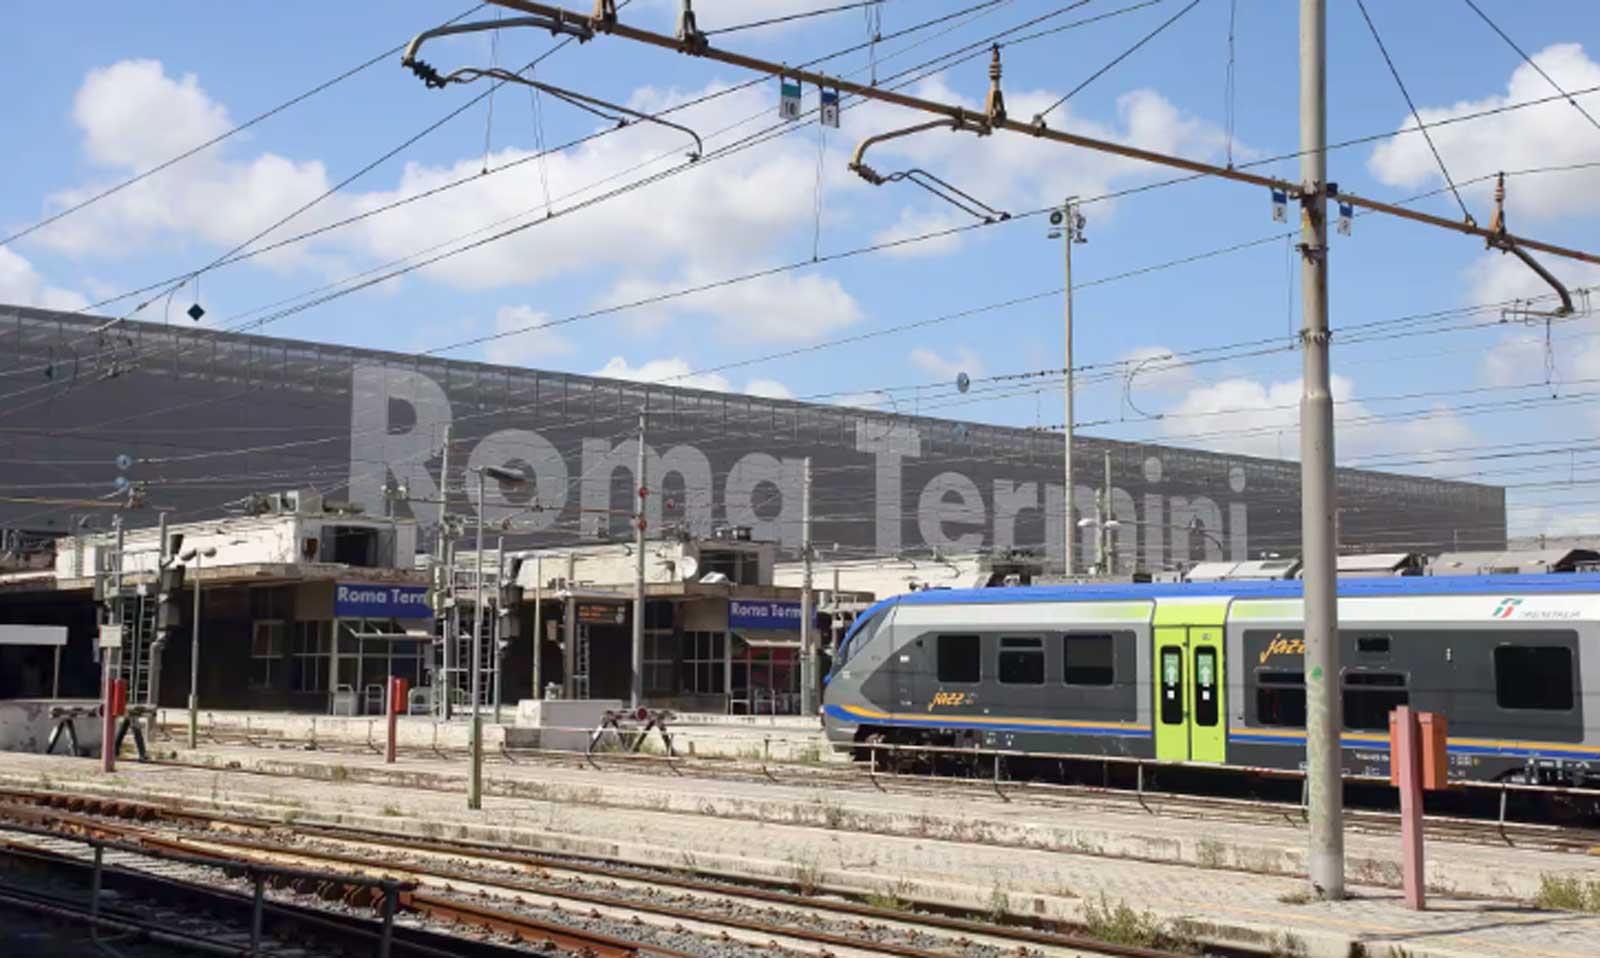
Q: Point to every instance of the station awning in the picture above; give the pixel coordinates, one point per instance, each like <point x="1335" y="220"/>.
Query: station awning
<point x="769" y="638"/>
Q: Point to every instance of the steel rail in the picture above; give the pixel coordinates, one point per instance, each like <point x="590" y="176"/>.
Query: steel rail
<point x="962" y="115"/>
<point x="613" y="870"/>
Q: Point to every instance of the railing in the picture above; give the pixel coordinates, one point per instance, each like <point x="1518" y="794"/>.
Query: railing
<point x="258" y="875"/>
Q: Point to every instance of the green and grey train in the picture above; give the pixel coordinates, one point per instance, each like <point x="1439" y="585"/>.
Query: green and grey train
<point x="1213" y="673"/>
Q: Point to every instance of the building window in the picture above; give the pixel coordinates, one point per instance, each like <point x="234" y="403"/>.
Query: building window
<point x="1022" y="661"/>
<point x="959" y="658"/>
<point x="1533" y="677"/>
<point x="268" y="645"/>
<point x="1281" y="698"/>
<point x="310" y="654"/>
<point x="1369" y="697"/>
<point x="660" y="662"/>
<point x="703" y="663"/>
<point x="1088" y="660"/>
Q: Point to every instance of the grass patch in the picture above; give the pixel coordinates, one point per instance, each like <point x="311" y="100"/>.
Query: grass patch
<point x="1568" y="893"/>
<point x="1120" y="924"/>
<point x="393" y="811"/>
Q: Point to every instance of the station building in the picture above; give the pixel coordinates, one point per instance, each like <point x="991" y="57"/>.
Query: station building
<point x="198" y="423"/>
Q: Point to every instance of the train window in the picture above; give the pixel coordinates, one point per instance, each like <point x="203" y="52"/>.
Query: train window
<point x="1281" y="698"/>
<point x="1022" y="661"/>
<point x="1533" y="677"/>
<point x="1372" y="644"/>
<point x="1171" y="685"/>
<point x="1205" y="687"/>
<point x="1369" y="697"/>
<point x="959" y="658"/>
<point x="1088" y="659"/>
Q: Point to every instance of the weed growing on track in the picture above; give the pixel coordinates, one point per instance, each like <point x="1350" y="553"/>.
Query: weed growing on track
<point x="1120" y="924"/>
<point x="806" y="873"/>
<point x="1568" y="893"/>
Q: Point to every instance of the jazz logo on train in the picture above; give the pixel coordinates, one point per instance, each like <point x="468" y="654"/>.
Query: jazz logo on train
<point x="1282" y="646"/>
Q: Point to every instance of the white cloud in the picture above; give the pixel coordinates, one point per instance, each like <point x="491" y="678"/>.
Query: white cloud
<point x="965" y="360"/>
<point x="527" y="344"/>
<point x="914" y="223"/>
<point x="783" y="307"/>
<point x="1257" y="418"/>
<point x="21" y="285"/>
<point x="1551" y="134"/>
<point x="1157" y="368"/>
<point x="134" y="116"/>
<point x="768" y="388"/>
<point x="676" y="371"/>
<point x="1535" y="519"/>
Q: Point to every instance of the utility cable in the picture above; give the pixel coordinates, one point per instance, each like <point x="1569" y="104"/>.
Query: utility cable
<point x="1413" y="107"/>
<point x="258" y="118"/>
<point x="792" y="17"/>
<point x="1530" y="61"/>
<point x="164" y="284"/>
<point x="1039" y="117"/>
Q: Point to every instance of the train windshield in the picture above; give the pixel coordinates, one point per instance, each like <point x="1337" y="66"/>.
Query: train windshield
<point x="859" y="635"/>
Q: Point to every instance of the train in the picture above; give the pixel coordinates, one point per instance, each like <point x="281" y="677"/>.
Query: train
<point x="1213" y="674"/>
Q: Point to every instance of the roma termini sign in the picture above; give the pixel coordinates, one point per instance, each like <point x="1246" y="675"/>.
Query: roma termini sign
<point x="261" y="413"/>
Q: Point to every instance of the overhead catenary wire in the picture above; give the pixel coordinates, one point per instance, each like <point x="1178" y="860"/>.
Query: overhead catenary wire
<point x="224" y="135"/>
<point x="1039" y="118"/>
<point x="797" y="15"/>
<point x="975" y="11"/>
<point x="1412" y="106"/>
<point x="1569" y="97"/>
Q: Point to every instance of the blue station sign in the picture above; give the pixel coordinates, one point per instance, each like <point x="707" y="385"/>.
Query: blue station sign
<point x="763" y="614"/>
<point x="372" y="601"/>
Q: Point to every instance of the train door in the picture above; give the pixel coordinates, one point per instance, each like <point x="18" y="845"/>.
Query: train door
<point x="1190" y="714"/>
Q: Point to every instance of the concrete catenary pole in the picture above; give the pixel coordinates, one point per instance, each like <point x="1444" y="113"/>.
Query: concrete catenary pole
<point x="538" y="627"/>
<point x="1107" y="560"/>
<point x="447" y="561"/>
<point x="1324" y="758"/>
<point x="808" y="633"/>
<point x="499" y="619"/>
<point x="636" y="690"/>
<point x="475" y="784"/>
<point x="1068" y="531"/>
<point x="194" y="661"/>
<point x="569" y="618"/>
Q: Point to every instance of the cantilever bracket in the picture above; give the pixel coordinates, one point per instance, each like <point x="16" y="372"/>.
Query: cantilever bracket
<point x="430" y="76"/>
<point x="580" y="100"/>
<point x="861" y="169"/>
<point x="1501" y="240"/>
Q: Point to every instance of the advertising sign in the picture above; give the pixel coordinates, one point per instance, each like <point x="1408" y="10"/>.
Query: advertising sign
<point x="744" y="614"/>
<point x="369" y="601"/>
<point x="599" y="613"/>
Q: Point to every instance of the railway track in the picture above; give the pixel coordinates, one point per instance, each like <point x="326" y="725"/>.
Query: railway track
<point x="498" y="890"/>
<point x="834" y="777"/>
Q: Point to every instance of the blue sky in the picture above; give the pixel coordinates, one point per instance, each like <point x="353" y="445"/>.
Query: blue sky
<point x="107" y="90"/>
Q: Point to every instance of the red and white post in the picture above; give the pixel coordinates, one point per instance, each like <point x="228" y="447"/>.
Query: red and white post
<point x="397" y="697"/>
<point x="1405" y="757"/>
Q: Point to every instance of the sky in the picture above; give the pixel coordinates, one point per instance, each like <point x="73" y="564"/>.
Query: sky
<point x="815" y="284"/>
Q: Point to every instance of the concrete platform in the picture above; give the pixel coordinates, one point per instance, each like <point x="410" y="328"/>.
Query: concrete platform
<point x="1220" y="881"/>
<point x="566" y="727"/>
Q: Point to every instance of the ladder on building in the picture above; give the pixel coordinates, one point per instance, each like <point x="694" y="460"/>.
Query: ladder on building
<point x="138" y="620"/>
<point x="455" y="671"/>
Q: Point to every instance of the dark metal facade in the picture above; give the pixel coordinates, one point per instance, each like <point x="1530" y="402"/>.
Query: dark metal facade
<point x="210" y="417"/>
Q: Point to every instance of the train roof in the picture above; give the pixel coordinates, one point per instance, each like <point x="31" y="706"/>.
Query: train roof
<point x="1555" y="583"/>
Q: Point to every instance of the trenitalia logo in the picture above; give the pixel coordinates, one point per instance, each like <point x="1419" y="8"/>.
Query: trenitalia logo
<point x="1506" y="607"/>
